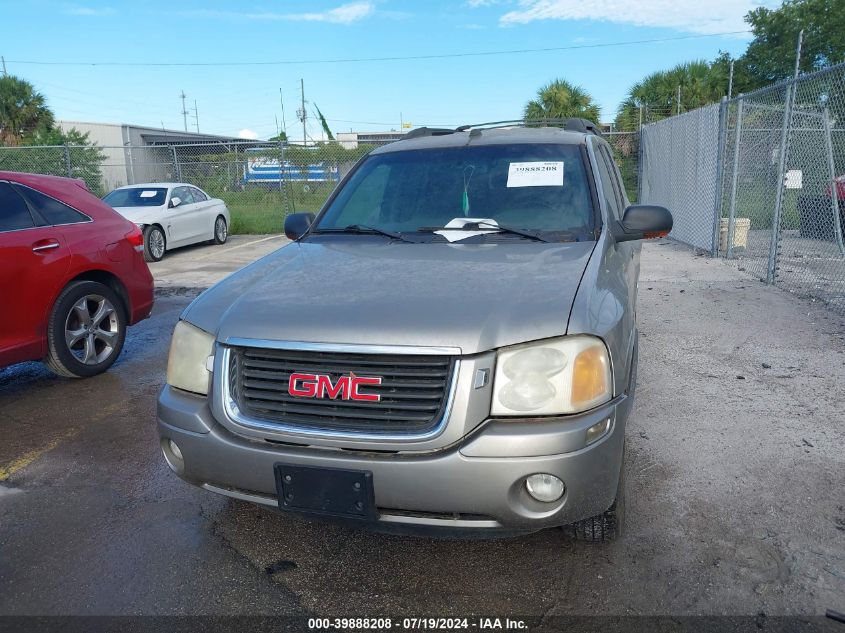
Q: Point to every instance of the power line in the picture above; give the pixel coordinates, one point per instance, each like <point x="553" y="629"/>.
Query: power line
<point x="351" y="60"/>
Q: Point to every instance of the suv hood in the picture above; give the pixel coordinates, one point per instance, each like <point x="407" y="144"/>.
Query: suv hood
<point x="364" y="290"/>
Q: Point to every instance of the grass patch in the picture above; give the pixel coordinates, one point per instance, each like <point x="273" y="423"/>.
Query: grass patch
<point x="259" y="211"/>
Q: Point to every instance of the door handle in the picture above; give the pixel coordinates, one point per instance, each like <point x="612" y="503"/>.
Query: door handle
<point x="44" y="245"/>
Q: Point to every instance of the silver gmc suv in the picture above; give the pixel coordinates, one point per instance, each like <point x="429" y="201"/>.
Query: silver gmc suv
<point x="451" y="343"/>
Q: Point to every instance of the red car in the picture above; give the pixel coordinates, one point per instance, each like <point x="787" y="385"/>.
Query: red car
<point x="840" y="189"/>
<point x="72" y="275"/>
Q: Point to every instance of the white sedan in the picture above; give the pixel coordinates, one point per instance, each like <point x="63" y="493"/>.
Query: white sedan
<point x="171" y="214"/>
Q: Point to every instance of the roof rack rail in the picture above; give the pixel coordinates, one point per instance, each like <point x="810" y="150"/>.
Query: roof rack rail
<point x="571" y="124"/>
<point x="429" y="131"/>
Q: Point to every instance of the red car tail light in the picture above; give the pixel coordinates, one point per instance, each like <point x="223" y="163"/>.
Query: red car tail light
<point x="136" y="238"/>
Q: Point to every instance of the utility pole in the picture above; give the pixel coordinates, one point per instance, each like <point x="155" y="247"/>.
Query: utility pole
<point x="184" y="111"/>
<point x="798" y="52"/>
<point x="731" y="81"/>
<point x="196" y="116"/>
<point x="302" y="113"/>
<point x="5" y="74"/>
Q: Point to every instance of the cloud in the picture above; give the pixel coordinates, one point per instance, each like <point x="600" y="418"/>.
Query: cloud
<point x="483" y="3"/>
<point x="248" y="134"/>
<point x="344" y="14"/>
<point x="89" y="11"/>
<point x="694" y="16"/>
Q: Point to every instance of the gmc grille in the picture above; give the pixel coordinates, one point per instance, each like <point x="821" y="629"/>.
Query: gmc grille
<point x="414" y="390"/>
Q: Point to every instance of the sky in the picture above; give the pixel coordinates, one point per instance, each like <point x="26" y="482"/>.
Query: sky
<point x="129" y="62"/>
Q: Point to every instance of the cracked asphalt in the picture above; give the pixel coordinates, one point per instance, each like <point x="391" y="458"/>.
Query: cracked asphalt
<point x="735" y="469"/>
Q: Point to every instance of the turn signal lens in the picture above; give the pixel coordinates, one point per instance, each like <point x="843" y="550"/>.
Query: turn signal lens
<point x="590" y="377"/>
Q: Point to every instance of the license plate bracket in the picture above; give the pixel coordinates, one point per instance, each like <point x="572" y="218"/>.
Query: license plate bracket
<point x="335" y="492"/>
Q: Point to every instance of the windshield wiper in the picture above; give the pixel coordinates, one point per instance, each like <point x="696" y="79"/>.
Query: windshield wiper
<point x="364" y="228"/>
<point x="469" y="226"/>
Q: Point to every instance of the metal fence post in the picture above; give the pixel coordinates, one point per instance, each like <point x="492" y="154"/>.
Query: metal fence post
<point x="720" y="168"/>
<point x="177" y="170"/>
<point x="734" y="177"/>
<point x="834" y="194"/>
<point x="781" y="182"/>
<point x="68" y="166"/>
<point x="281" y="163"/>
<point x="640" y="151"/>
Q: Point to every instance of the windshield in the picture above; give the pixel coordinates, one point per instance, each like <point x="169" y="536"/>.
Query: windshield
<point x="137" y="197"/>
<point x="539" y="187"/>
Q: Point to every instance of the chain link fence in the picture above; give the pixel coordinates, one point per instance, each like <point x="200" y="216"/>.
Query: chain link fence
<point x="760" y="181"/>
<point x="682" y="172"/>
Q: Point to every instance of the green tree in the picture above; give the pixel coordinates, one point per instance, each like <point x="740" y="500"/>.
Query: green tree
<point x="560" y="99"/>
<point x="23" y="111"/>
<point x="770" y="56"/>
<point x="280" y="137"/>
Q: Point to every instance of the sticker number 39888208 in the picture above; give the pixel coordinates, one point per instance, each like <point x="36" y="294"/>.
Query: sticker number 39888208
<point x="536" y="174"/>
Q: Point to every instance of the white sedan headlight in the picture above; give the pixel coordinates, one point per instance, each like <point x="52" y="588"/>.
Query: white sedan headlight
<point x="551" y="377"/>
<point x="189" y="352"/>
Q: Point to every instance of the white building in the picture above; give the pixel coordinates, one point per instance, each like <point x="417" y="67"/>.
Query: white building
<point x="350" y="140"/>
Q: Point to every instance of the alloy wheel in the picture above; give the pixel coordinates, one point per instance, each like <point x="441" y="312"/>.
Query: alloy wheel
<point x="91" y="329"/>
<point x="156" y="243"/>
<point x="220" y="229"/>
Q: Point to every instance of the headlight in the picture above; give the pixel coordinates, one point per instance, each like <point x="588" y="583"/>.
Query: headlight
<point x="563" y="375"/>
<point x="189" y="351"/>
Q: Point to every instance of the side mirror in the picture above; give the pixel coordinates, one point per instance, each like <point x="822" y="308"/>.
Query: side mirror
<point x="644" y="221"/>
<point x="175" y="201"/>
<point x="296" y="224"/>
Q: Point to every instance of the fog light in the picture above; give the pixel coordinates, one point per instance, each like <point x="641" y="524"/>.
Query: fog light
<point x="545" y="487"/>
<point x="173" y="456"/>
<point x="598" y="430"/>
<point x="177" y="452"/>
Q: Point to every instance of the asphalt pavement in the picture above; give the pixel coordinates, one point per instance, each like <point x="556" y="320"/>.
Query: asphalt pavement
<point x="735" y="469"/>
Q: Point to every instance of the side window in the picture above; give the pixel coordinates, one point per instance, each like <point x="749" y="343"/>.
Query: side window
<point x="617" y="181"/>
<point x="53" y="211"/>
<point x="182" y="194"/>
<point x="608" y="188"/>
<point x="198" y="195"/>
<point x="14" y="214"/>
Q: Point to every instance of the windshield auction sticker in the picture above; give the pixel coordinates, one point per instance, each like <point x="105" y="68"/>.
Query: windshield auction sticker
<point x="541" y="174"/>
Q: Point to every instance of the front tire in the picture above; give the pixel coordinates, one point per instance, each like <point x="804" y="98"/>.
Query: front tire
<point x="86" y="330"/>
<point x="221" y="230"/>
<point x="155" y="243"/>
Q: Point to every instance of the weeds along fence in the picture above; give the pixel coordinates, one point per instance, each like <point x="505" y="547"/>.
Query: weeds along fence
<point x="760" y="180"/>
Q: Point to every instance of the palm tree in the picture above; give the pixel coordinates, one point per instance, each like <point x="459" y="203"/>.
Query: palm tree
<point x="656" y="96"/>
<point x="23" y="110"/>
<point x="560" y="99"/>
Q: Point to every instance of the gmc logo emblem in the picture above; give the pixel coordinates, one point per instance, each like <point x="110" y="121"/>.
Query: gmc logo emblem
<point x="321" y="386"/>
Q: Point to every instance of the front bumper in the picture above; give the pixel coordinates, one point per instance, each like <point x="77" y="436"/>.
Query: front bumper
<point x="477" y="483"/>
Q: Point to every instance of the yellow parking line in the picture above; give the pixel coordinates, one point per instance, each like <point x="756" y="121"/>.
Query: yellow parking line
<point x="29" y="457"/>
<point x="217" y="252"/>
